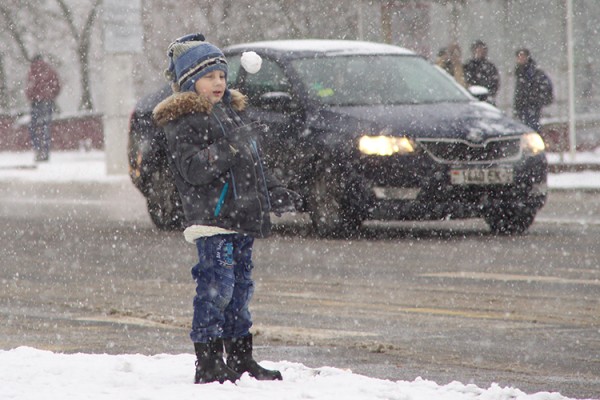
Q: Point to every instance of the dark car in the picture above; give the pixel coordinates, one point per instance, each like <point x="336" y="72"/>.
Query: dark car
<point x="373" y="131"/>
<point x="148" y="165"/>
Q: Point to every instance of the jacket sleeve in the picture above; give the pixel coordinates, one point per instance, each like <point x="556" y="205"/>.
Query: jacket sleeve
<point x="53" y="84"/>
<point x="199" y="160"/>
<point x="31" y="86"/>
<point x="494" y="79"/>
<point x="270" y="180"/>
<point x="256" y="130"/>
<point x="543" y="90"/>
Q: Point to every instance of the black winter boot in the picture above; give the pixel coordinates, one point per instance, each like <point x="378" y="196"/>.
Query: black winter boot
<point x="210" y="366"/>
<point x="239" y="358"/>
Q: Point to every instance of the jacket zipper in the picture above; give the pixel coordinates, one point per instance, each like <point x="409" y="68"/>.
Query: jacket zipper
<point x="221" y="199"/>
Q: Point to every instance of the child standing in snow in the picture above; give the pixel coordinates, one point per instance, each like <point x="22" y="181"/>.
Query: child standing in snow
<point x="227" y="195"/>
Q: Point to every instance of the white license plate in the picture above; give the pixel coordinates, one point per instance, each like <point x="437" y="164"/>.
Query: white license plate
<point x="480" y="176"/>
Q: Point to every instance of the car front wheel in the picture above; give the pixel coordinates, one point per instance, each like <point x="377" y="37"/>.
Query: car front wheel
<point x="510" y="219"/>
<point x="163" y="202"/>
<point x="329" y="213"/>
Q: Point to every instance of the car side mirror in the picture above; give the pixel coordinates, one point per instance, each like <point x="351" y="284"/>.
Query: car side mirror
<point x="481" y="93"/>
<point x="276" y="101"/>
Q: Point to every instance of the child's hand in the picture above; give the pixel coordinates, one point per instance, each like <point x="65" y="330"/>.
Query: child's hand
<point x="245" y="132"/>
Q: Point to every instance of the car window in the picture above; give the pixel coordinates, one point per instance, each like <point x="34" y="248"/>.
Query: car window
<point x="270" y="78"/>
<point x="376" y="79"/>
<point x="234" y="63"/>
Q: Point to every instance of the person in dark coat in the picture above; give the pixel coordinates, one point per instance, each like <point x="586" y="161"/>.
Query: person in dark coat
<point x="227" y="195"/>
<point x="533" y="90"/>
<point x="43" y="86"/>
<point x="479" y="71"/>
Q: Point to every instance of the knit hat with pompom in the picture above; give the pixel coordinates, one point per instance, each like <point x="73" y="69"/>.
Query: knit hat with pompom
<point x="190" y="59"/>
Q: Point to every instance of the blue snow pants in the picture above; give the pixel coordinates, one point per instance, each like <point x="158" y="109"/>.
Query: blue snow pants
<point x="224" y="287"/>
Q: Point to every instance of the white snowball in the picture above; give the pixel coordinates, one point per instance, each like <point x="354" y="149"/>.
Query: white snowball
<point x="251" y="62"/>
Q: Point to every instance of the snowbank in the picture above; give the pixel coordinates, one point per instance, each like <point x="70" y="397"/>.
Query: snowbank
<point x="31" y="374"/>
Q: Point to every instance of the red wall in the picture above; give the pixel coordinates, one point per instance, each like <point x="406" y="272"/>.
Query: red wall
<point x="68" y="133"/>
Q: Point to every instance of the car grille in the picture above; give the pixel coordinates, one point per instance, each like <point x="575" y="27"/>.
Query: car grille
<point x="457" y="150"/>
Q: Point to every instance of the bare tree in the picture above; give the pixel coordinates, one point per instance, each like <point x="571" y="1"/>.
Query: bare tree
<point x="31" y="27"/>
<point x="4" y="103"/>
<point x="225" y="22"/>
<point x="15" y="31"/>
<point x="16" y="44"/>
<point x="82" y="39"/>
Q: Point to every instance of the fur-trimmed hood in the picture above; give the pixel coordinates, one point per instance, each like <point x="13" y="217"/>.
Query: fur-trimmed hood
<point x="182" y="103"/>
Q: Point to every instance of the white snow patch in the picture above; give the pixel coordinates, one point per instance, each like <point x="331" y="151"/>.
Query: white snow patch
<point x="30" y="374"/>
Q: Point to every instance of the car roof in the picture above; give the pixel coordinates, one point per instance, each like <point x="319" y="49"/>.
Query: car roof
<point x="315" y="47"/>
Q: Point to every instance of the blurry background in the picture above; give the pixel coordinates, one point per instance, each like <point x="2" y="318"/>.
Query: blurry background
<point x="70" y="34"/>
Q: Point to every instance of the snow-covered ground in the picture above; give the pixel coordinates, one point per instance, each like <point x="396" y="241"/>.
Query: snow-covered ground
<point x="27" y="373"/>
<point x="64" y="166"/>
<point x="31" y="374"/>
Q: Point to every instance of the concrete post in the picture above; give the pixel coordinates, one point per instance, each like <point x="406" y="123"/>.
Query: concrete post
<point x="122" y="43"/>
<point x="571" y="80"/>
<point x="119" y="101"/>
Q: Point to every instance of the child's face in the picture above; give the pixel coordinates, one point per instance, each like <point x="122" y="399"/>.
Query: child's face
<point x="212" y="85"/>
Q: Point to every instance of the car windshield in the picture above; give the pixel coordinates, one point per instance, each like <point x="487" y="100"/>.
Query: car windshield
<point x="376" y="79"/>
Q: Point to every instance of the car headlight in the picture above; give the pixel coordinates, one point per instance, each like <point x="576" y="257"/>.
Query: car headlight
<point x="532" y="143"/>
<point x="385" y="145"/>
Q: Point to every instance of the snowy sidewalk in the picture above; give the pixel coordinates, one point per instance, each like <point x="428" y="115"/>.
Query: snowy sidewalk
<point x="64" y="166"/>
<point x="31" y="374"/>
<point x="81" y="166"/>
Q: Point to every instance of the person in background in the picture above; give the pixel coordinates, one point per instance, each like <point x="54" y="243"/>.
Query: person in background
<point x="43" y="86"/>
<point x="533" y="90"/>
<point x="227" y="194"/>
<point x="479" y="71"/>
<point x="449" y="58"/>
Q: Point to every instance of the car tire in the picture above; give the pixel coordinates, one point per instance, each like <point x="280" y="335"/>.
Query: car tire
<point x="163" y="202"/>
<point x="329" y="213"/>
<point x="511" y="219"/>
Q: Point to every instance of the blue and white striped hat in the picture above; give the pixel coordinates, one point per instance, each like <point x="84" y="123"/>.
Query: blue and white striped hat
<point x="190" y="59"/>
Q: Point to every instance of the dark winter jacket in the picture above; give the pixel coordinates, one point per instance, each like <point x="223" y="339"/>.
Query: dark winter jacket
<point x="42" y="82"/>
<point x="482" y="73"/>
<point x="533" y="88"/>
<point x="216" y="162"/>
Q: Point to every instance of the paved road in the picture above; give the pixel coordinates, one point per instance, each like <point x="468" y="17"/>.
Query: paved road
<point x="82" y="269"/>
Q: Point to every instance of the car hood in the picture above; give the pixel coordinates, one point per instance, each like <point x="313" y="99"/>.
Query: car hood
<point x="470" y="120"/>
